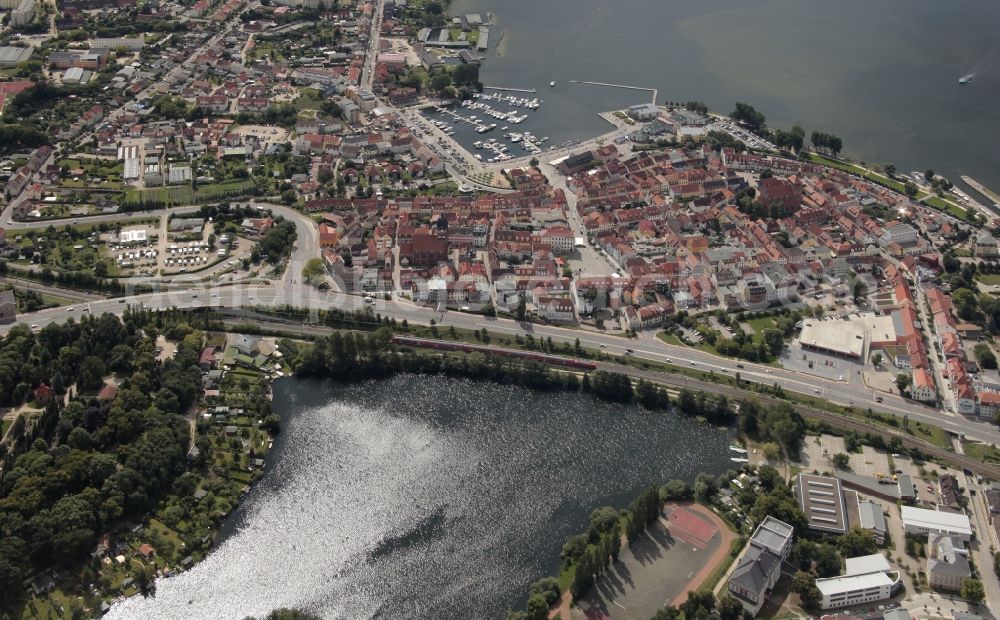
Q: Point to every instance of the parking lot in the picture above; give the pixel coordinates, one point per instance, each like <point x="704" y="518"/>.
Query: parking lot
<point x="794" y="357"/>
<point x="817" y="451"/>
<point x="870" y="462"/>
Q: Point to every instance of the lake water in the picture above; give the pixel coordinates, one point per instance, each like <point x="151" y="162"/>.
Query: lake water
<point x="425" y="497"/>
<point x="882" y="75"/>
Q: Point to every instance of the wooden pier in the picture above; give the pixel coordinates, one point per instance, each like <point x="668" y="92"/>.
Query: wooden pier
<point x="652" y="90"/>
<point x="512" y="90"/>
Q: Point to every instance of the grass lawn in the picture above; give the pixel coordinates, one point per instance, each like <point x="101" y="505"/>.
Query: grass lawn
<point x="758" y="325"/>
<point x="188" y="195"/>
<point x="308" y="99"/>
<point x="858" y="170"/>
<point x="566" y="577"/>
<point x="983" y="452"/>
<point x="947" y="207"/>
<point x="933" y="434"/>
<point x="988" y="278"/>
<point x="167" y="533"/>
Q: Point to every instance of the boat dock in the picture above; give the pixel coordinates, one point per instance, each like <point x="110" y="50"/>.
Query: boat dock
<point x="501" y="47"/>
<point x="511" y="90"/>
<point x="989" y="194"/>
<point x="652" y="90"/>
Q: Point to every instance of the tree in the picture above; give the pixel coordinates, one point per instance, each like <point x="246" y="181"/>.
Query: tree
<point x="747" y="115"/>
<point x="676" y="490"/>
<point x="890" y="171"/>
<point x="966" y="303"/>
<point x="877" y="360"/>
<point x="92" y="371"/>
<point x="79" y="439"/>
<point x="902" y="381"/>
<point x="857" y="542"/>
<point x="705" y="487"/>
<point x="771" y="451"/>
<point x="775" y="340"/>
<point x="911" y="189"/>
<point x="841" y="461"/>
<point x="574" y="548"/>
<point x="537" y="608"/>
<point x="548" y="588"/>
<point x="440" y="82"/>
<point x="972" y="591"/>
<point x="667" y="613"/>
<point x="730" y="608"/>
<point x="805" y="584"/>
<point x="583" y="577"/>
<point x="929" y="175"/>
<point x="985" y="356"/>
<point x="522" y="308"/>
<point x="313" y="267"/>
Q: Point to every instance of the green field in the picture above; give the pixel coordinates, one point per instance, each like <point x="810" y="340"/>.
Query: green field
<point x="983" y="452"/>
<point x="948" y="207"/>
<point x="989" y="279"/>
<point x="189" y="195"/>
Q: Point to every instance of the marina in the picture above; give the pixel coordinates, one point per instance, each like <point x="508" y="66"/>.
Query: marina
<point x="500" y="109"/>
<point x="888" y="103"/>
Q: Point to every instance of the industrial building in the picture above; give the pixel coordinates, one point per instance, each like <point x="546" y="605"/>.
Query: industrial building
<point x="922" y="521"/>
<point x="822" y="501"/>
<point x="842" y="338"/>
<point x="832" y="509"/>
<point x="11" y="56"/>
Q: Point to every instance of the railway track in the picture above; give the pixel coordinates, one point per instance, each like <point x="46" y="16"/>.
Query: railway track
<point x="678" y="381"/>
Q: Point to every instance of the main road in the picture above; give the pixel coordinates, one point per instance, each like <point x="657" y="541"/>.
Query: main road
<point x="290" y="291"/>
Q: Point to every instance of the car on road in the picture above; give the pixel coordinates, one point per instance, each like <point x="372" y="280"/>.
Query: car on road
<point x="34" y="326"/>
<point x="71" y="308"/>
<point x="878" y="399"/>
<point x="740" y="366"/>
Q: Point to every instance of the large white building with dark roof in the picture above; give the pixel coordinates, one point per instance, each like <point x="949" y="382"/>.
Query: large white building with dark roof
<point x="760" y="566"/>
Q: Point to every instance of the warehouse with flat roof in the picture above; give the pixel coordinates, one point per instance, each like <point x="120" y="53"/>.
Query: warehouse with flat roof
<point x="923" y="521"/>
<point x="822" y="501"/>
<point x="834" y="337"/>
<point x="11" y="56"/>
